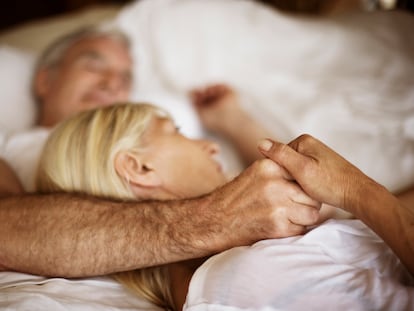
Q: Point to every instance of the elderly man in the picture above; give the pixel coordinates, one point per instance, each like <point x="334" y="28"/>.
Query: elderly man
<point x="72" y="235"/>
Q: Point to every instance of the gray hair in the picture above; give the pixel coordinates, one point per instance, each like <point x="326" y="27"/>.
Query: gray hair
<point x="54" y="53"/>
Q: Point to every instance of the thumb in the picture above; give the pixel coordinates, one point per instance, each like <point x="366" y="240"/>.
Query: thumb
<point x="282" y="154"/>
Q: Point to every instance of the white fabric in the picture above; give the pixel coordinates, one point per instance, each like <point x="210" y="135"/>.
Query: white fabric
<point x="25" y="292"/>
<point x="341" y="265"/>
<point x="347" y="80"/>
<point x="17" y="108"/>
<point x="22" y="151"/>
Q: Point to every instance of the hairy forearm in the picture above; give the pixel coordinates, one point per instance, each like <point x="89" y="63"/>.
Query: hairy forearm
<point x="406" y="197"/>
<point x="388" y="217"/>
<point x="65" y="235"/>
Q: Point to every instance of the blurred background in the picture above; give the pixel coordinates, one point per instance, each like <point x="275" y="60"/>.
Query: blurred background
<point x="19" y="11"/>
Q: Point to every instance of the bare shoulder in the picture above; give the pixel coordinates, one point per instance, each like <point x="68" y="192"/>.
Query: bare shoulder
<point x="9" y="182"/>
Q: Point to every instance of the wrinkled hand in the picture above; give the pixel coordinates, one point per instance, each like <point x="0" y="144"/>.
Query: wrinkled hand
<point x="264" y="202"/>
<point x="321" y="172"/>
<point x="217" y="105"/>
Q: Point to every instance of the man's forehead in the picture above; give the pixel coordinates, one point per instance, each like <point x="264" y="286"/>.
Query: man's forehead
<point x="96" y="47"/>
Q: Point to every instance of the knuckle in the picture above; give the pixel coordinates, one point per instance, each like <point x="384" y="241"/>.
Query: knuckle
<point x="266" y="167"/>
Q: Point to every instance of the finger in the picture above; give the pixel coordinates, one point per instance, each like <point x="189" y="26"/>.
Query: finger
<point x="284" y="173"/>
<point x="299" y="196"/>
<point x="303" y="215"/>
<point x="284" y="155"/>
<point x="213" y="93"/>
<point x="216" y="91"/>
<point x="271" y="169"/>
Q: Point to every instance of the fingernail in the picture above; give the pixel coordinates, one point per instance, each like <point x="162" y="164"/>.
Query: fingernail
<point x="265" y="144"/>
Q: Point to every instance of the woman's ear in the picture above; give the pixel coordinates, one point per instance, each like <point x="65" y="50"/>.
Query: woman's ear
<point x="132" y="168"/>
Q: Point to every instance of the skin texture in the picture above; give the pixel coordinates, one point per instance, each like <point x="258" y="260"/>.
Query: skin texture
<point x="329" y="178"/>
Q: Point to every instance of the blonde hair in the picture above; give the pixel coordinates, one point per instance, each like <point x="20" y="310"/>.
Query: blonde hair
<point x="79" y="156"/>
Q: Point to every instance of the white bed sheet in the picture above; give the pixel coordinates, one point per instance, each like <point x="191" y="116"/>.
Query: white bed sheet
<point x="340" y="265"/>
<point x="26" y="292"/>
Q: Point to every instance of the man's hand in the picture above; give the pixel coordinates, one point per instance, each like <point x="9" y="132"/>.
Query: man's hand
<point x="321" y="172"/>
<point x="263" y="202"/>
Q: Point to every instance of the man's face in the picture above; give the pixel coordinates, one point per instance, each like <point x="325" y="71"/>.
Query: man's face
<point x="186" y="167"/>
<point x="93" y="72"/>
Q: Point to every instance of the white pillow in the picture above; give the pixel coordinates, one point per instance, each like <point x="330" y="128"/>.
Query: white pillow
<point x="17" y="105"/>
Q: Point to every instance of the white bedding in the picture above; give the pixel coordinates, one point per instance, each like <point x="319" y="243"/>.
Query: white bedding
<point x="340" y="265"/>
<point x="26" y="292"/>
<point x="348" y="81"/>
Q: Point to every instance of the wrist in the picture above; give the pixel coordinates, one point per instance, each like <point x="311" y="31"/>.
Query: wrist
<point x="236" y="123"/>
<point x="365" y="197"/>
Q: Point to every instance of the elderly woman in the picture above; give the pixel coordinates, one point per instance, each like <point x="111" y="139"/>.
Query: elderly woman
<point x="135" y="152"/>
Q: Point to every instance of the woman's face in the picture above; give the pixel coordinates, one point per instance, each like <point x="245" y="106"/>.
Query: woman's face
<point x="186" y="167"/>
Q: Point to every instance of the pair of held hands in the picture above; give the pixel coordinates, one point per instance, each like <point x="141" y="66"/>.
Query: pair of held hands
<point x="287" y="187"/>
<point x="280" y="195"/>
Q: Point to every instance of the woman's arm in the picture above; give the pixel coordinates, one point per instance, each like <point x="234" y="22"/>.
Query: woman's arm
<point x="329" y="178"/>
<point x="220" y="112"/>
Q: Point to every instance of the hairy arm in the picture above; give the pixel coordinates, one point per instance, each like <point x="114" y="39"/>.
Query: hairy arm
<point x="68" y="235"/>
<point x="72" y="235"/>
<point x="407" y="196"/>
<point x="329" y="178"/>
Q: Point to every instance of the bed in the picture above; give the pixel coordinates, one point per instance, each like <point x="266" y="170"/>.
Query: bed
<point x="348" y="80"/>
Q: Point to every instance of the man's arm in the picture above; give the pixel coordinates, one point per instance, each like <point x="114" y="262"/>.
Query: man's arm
<point x="329" y="178"/>
<point x="406" y="197"/>
<point x="73" y="235"/>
